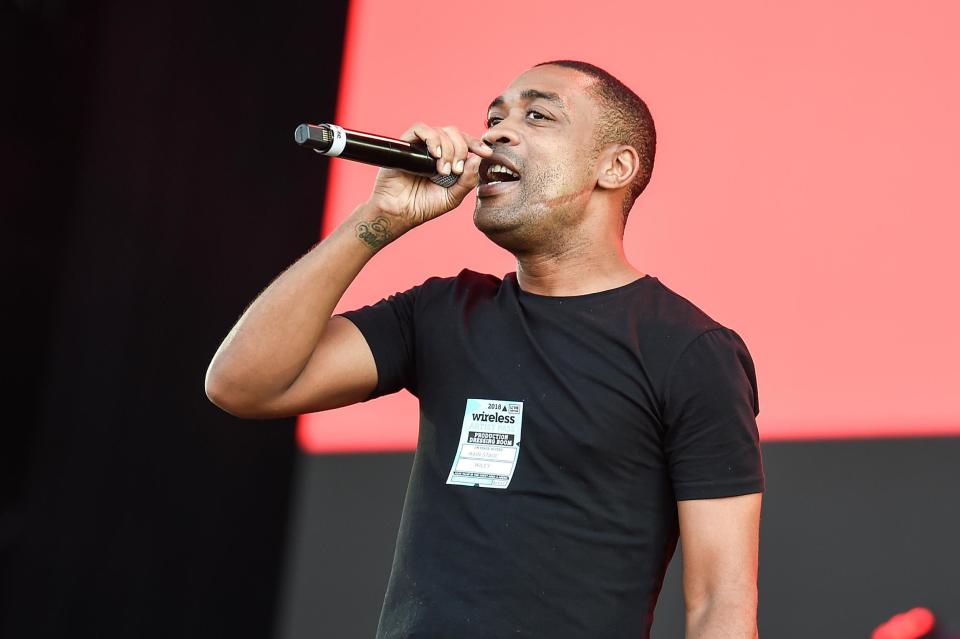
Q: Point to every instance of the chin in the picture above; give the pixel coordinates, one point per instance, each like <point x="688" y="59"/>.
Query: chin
<point x="504" y="227"/>
<point x="493" y="220"/>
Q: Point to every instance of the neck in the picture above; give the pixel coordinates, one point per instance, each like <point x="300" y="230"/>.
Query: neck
<point x="576" y="268"/>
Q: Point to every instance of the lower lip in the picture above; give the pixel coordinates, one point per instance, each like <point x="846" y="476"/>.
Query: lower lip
<point x="489" y="190"/>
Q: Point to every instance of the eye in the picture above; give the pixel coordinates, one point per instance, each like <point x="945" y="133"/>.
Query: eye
<point x="493" y="121"/>
<point x="536" y="115"/>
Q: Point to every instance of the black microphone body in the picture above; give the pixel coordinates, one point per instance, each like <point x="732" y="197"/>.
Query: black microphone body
<point x="335" y="141"/>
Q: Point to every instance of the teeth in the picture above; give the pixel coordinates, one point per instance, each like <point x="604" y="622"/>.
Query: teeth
<point x="499" y="168"/>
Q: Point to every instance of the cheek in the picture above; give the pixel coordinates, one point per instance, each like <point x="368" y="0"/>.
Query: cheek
<point x="564" y="173"/>
<point x="553" y="165"/>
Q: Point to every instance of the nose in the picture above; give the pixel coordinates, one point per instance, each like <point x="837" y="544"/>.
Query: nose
<point x="500" y="133"/>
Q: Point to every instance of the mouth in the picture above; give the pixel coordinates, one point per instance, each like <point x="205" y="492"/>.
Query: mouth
<point x="498" y="168"/>
<point x="497" y="174"/>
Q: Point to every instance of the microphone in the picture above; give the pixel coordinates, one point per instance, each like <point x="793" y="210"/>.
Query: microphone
<point x="335" y="141"/>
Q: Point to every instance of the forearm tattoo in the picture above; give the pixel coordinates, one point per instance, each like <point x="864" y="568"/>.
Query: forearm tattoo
<point x="374" y="234"/>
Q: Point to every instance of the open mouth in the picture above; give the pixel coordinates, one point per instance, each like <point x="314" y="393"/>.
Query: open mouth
<point x="496" y="169"/>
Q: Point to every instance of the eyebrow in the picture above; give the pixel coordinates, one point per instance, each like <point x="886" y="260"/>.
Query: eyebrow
<point x="533" y="94"/>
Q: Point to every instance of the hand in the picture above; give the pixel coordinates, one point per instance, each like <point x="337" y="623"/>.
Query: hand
<point x="411" y="199"/>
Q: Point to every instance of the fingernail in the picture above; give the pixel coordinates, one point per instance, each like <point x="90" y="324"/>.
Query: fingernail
<point x="460" y="166"/>
<point x="446" y="169"/>
<point x="439" y="151"/>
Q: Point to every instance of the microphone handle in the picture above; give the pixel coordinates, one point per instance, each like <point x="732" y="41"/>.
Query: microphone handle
<point x="335" y="141"/>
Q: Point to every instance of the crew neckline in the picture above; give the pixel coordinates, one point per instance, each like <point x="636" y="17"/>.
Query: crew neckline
<point x="583" y="296"/>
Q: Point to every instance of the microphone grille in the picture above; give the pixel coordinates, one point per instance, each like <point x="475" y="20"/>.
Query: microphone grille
<point x="446" y="181"/>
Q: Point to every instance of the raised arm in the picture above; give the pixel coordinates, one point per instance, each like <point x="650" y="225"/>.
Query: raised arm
<point x="720" y="540"/>
<point x="285" y="355"/>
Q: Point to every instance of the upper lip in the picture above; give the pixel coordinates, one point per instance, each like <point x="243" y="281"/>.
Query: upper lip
<point x="496" y="158"/>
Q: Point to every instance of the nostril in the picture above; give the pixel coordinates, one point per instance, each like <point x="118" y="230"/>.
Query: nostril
<point x="496" y="139"/>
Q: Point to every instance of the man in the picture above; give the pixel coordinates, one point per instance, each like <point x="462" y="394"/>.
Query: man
<point x="577" y="416"/>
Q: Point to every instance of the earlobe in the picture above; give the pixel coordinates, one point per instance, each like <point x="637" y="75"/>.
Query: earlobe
<point x="620" y="167"/>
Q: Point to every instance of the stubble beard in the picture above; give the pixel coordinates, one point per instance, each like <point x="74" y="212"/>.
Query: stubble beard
<point x="530" y="220"/>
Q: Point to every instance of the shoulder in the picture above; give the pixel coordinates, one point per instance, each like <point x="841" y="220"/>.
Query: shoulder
<point x="670" y="320"/>
<point x="676" y="313"/>
<point x="466" y="284"/>
<point x="472" y="280"/>
<point x="672" y="325"/>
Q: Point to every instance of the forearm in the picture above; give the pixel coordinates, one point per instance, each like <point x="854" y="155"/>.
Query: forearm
<point x="256" y="369"/>
<point x="272" y="341"/>
<point x="726" y="616"/>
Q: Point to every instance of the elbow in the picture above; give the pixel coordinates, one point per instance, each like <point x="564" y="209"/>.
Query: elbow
<point x="223" y="394"/>
<point x="232" y="406"/>
<point x="219" y="396"/>
<point x="731" y="612"/>
<point x="742" y="595"/>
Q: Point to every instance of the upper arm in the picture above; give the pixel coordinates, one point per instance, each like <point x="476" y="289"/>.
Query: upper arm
<point x="720" y="540"/>
<point x="341" y="371"/>
<point x="711" y="441"/>
<point x="361" y="354"/>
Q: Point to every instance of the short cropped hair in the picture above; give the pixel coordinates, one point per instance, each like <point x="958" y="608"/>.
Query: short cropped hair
<point x="625" y="119"/>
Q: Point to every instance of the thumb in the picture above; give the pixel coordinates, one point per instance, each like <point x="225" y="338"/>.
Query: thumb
<point x="468" y="180"/>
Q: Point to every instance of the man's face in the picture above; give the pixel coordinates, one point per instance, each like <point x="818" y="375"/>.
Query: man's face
<point x="542" y="129"/>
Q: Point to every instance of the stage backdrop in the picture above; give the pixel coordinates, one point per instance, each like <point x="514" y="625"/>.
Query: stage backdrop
<point x="804" y="192"/>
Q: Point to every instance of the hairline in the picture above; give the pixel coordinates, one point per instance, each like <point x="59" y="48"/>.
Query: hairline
<point x="594" y="91"/>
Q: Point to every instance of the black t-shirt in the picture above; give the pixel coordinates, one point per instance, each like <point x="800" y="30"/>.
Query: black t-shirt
<point x="629" y="400"/>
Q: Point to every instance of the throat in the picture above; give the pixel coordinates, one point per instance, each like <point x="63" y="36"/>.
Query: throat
<point x="578" y="266"/>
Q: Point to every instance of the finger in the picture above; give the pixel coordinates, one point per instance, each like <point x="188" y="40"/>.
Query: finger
<point x="445" y="161"/>
<point x="468" y="180"/>
<point x="459" y="148"/>
<point x="429" y="135"/>
<point x="478" y="146"/>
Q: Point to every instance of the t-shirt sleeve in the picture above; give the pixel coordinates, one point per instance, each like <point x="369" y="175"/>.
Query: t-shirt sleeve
<point x="711" y="440"/>
<point x="388" y="327"/>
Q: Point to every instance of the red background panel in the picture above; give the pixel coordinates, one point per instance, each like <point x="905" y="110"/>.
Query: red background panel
<point x="805" y="191"/>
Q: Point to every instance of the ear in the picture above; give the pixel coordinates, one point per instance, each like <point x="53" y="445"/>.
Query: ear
<point x="618" y="165"/>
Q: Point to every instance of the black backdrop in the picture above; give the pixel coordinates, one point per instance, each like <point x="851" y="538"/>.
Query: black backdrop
<point x="151" y="188"/>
